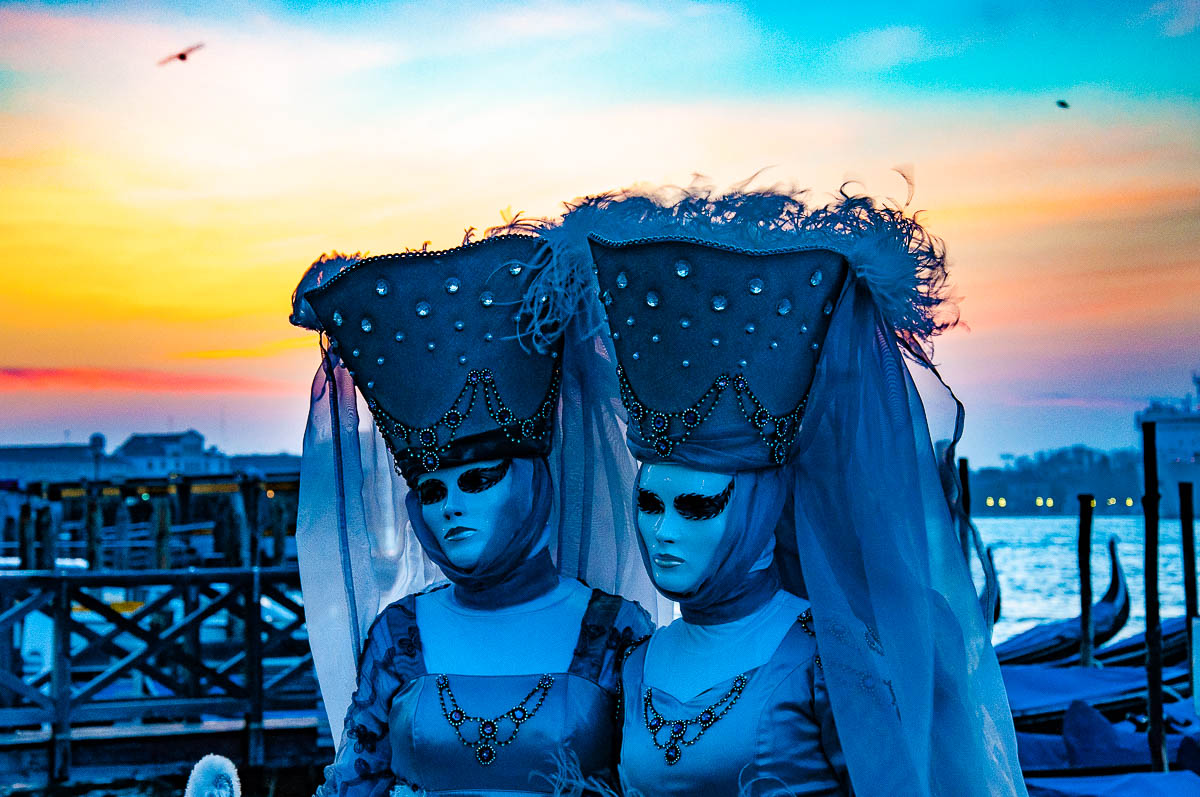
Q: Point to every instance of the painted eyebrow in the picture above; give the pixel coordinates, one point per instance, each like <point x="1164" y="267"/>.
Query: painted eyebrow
<point x="431" y="490"/>
<point x="649" y="502"/>
<point x="694" y="506"/>
<point x="477" y="480"/>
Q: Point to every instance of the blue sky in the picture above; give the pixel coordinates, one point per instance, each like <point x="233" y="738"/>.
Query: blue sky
<point x="302" y="127"/>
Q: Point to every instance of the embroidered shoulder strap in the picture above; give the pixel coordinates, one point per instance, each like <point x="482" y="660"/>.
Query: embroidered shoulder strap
<point x="403" y="657"/>
<point x="595" y="632"/>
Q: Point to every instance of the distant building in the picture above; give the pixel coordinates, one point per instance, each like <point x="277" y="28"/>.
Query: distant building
<point x="1177" y="439"/>
<point x="57" y="463"/>
<point x="141" y="456"/>
<point x="1049" y="482"/>
<point x="161" y="455"/>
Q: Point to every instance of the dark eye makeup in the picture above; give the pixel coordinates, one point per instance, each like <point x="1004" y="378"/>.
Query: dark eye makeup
<point x="430" y="491"/>
<point x="649" y="503"/>
<point x="693" y="506"/>
<point x="477" y="480"/>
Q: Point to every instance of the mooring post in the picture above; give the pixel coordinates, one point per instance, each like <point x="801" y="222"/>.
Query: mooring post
<point x="241" y="523"/>
<point x="47" y="554"/>
<point x="60" y="731"/>
<point x="93" y="520"/>
<point x="162" y="532"/>
<point x="121" y="535"/>
<point x="964" y="485"/>
<point x="1087" y="634"/>
<point x="1158" y="750"/>
<point x="26" y="542"/>
<point x="1187" y="519"/>
<point x="254" y="670"/>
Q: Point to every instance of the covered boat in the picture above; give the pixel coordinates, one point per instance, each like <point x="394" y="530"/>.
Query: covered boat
<point x="1060" y="639"/>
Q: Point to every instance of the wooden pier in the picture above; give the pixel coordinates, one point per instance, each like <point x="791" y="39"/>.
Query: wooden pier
<point x="116" y="666"/>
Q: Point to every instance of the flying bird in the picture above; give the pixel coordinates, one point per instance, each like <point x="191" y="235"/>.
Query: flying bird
<point x="1063" y="104"/>
<point x="182" y="55"/>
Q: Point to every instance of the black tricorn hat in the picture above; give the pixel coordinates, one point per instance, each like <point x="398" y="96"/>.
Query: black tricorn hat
<point x="715" y="341"/>
<point x="431" y="339"/>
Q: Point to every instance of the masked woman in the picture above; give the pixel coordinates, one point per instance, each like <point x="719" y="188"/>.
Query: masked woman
<point x="479" y="685"/>
<point x="789" y="500"/>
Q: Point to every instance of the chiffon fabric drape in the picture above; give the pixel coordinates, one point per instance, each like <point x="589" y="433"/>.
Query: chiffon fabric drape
<point x="914" y="683"/>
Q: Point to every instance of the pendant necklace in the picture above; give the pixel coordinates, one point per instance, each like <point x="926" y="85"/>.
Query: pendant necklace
<point x="677" y="737"/>
<point x="491" y="732"/>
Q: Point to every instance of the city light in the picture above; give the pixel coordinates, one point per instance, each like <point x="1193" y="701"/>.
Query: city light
<point x="1093" y="503"/>
<point x="1112" y="502"/>
<point x="1049" y="502"/>
<point x="1128" y="502"/>
<point x="991" y="501"/>
<point x="1002" y="502"/>
<point x="1039" y="501"/>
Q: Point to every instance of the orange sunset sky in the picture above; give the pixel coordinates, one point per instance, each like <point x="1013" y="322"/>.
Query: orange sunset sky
<point x="155" y="219"/>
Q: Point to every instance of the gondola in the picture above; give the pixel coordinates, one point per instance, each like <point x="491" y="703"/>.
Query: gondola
<point x="1090" y="744"/>
<point x="1131" y="651"/>
<point x="1060" y="639"/>
<point x="1040" y="694"/>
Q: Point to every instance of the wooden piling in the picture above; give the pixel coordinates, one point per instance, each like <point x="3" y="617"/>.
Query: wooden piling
<point x="162" y="532"/>
<point x="93" y="521"/>
<point x="1187" y="519"/>
<point x="26" y="547"/>
<point x="1087" y="634"/>
<point x="1150" y="498"/>
<point x="47" y="537"/>
<point x="60" y="728"/>
<point x="964" y="485"/>
<point x="241" y="524"/>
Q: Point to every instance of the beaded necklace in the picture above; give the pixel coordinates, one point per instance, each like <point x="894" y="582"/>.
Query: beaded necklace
<point x="677" y="737"/>
<point x="487" y="737"/>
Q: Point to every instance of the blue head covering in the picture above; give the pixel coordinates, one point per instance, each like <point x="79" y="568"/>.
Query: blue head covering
<point x="902" y="640"/>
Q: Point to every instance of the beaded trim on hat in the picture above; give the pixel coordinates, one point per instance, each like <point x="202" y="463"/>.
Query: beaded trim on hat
<point x="514" y="266"/>
<point x="428" y="444"/>
<point x="777" y="431"/>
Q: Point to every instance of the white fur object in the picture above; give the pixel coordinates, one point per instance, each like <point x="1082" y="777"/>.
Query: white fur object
<point x="213" y="776"/>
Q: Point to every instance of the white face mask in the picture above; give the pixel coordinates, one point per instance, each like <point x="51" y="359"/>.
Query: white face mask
<point x="682" y="519"/>
<point x="461" y="505"/>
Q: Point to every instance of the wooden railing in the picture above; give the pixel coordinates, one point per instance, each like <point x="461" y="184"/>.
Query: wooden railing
<point x="243" y="520"/>
<point x="145" y="646"/>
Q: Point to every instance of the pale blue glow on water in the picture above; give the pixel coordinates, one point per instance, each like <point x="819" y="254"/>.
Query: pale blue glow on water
<point x="1039" y="575"/>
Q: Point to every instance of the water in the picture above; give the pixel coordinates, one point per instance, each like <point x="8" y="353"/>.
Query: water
<point x="1039" y="575"/>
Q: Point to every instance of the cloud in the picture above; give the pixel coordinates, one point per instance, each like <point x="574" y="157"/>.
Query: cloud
<point x="1179" y="17"/>
<point x="132" y="381"/>
<point x="885" y="48"/>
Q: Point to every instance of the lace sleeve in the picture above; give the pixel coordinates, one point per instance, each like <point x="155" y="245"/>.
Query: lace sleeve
<point x="362" y="766"/>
